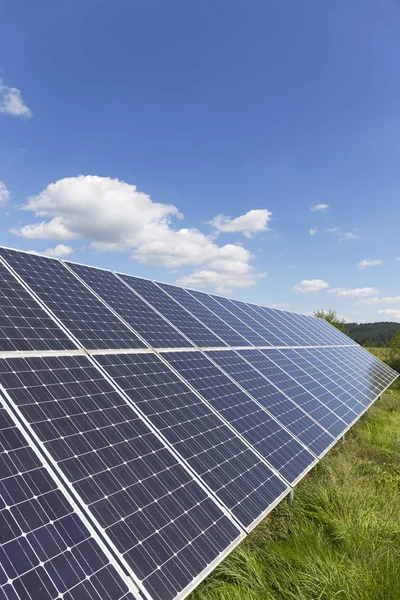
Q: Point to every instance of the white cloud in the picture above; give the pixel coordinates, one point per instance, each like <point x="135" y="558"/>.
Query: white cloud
<point x="60" y="251"/>
<point x="11" y="102"/>
<point x="398" y="258"/>
<point x="377" y="300"/>
<point x="354" y="293"/>
<point x="254" y="221"/>
<point x="310" y="285"/>
<point x="369" y="262"/>
<point x="392" y="312"/>
<point x="319" y="207"/>
<point x="313" y="231"/>
<point x="349" y="235"/>
<point x="114" y="216"/>
<point x="343" y="235"/>
<point x="4" y="193"/>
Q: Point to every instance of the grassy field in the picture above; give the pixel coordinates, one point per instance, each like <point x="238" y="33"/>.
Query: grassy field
<point x="340" y="540"/>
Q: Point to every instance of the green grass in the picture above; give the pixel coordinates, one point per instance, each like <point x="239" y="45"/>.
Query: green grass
<point x="340" y="540"/>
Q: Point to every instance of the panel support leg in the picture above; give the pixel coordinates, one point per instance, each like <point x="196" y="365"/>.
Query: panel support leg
<point x="343" y="438"/>
<point x="290" y="497"/>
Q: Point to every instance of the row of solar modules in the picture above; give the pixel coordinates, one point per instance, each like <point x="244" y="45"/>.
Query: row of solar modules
<point x="104" y="311"/>
<point x="129" y="460"/>
<point x="169" y="456"/>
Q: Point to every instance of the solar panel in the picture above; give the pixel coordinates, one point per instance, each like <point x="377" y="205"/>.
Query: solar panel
<point x="339" y="370"/>
<point x="157" y="332"/>
<point x="238" y="477"/>
<point x="291" y="328"/>
<point x="131" y="461"/>
<point x="217" y="326"/>
<point x="46" y="550"/>
<point x="88" y="319"/>
<point x="310" y="403"/>
<point x="367" y="374"/>
<point x="162" y="523"/>
<point x="282" y="407"/>
<point x="300" y="358"/>
<point x="24" y="325"/>
<point x="279" y="334"/>
<point x="178" y="316"/>
<point x="231" y="306"/>
<point x="250" y="419"/>
<point x="228" y="317"/>
<point x="343" y="408"/>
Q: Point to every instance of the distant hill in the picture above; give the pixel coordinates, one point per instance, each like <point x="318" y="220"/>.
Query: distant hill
<point x="372" y="334"/>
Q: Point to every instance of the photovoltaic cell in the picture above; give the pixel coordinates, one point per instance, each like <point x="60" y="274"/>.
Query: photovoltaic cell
<point x="163" y="524"/>
<point x="178" y="316"/>
<point x="299" y="357"/>
<point x="46" y="551"/>
<point x="270" y="339"/>
<point x="157" y="332"/>
<point x="88" y="319"/>
<point x="339" y="370"/>
<point x="310" y="403"/>
<point x="248" y="418"/>
<point x="239" y="478"/>
<point x="228" y="317"/>
<point x="337" y="406"/>
<point x="217" y="326"/>
<point x="288" y="413"/>
<point x="24" y="325"/>
<point x="279" y="335"/>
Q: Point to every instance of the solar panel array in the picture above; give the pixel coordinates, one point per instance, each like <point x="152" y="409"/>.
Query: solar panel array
<point x="146" y="428"/>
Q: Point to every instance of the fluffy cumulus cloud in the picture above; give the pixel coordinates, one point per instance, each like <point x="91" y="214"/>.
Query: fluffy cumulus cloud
<point x="310" y="285"/>
<point x="4" y="193"/>
<point x="253" y="222"/>
<point x="11" y="102"/>
<point x="319" y="207"/>
<point x="313" y="231"/>
<point x="393" y="313"/>
<point x="370" y="262"/>
<point x="354" y="293"/>
<point x="114" y="216"/>
<point x="60" y="251"/>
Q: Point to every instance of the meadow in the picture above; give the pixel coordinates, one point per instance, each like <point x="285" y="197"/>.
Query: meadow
<point x="340" y="539"/>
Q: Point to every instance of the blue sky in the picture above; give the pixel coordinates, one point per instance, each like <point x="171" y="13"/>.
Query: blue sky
<point x="189" y="142"/>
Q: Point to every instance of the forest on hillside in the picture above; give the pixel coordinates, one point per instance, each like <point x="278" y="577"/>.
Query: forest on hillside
<point x="372" y="334"/>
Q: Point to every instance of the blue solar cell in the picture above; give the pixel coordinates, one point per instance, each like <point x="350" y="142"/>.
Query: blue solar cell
<point x="310" y="403"/>
<point x="217" y="326"/>
<point x="157" y="332"/>
<point x="286" y="411"/>
<point x="228" y="317"/>
<point x="249" y="419"/>
<point x="24" y="325"/>
<point x="162" y="523"/>
<point x="88" y="319"/>
<point x="298" y="356"/>
<point x="46" y="550"/>
<point x="345" y="408"/>
<point x="234" y="308"/>
<point x="178" y="316"/>
<point x="238" y="477"/>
